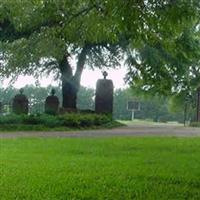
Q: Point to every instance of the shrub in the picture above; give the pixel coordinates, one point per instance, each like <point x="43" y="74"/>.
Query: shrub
<point x="74" y="120"/>
<point x="195" y="124"/>
<point x="163" y="120"/>
<point x="69" y="120"/>
<point x="50" y="121"/>
<point x="84" y="120"/>
<point x="101" y="119"/>
<point x="11" y="119"/>
<point x="31" y="119"/>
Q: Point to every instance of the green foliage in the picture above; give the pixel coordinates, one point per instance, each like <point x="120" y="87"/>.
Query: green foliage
<point x="177" y="103"/>
<point x="195" y="124"/>
<point x="27" y="127"/>
<point x="155" y="107"/>
<point x="159" y="39"/>
<point x="84" y="120"/>
<point x="185" y="102"/>
<point x="85" y="99"/>
<point x="167" y="68"/>
<point x="37" y="96"/>
<point x="152" y="107"/>
<point x="70" y="120"/>
<point x="100" y="168"/>
<point x="11" y="119"/>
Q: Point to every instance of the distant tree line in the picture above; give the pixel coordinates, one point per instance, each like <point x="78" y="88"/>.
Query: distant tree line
<point x="154" y="108"/>
<point x="38" y="95"/>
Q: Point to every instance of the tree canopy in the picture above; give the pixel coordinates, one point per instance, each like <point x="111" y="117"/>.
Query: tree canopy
<point x="154" y="37"/>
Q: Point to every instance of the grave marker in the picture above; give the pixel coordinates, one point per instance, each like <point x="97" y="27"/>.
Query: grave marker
<point x="52" y="103"/>
<point x="20" y="103"/>
<point x="104" y="95"/>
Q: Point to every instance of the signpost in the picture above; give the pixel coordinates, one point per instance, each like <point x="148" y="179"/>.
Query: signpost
<point x="133" y="106"/>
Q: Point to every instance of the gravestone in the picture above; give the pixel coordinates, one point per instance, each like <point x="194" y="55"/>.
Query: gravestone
<point x="52" y="103"/>
<point x="198" y="104"/>
<point x="20" y="103"/>
<point x="104" y="95"/>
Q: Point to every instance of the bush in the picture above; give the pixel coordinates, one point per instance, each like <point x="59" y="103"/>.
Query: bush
<point x="11" y="119"/>
<point x="101" y="119"/>
<point x="163" y="120"/>
<point x="73" y="120"/>
<point x="70" y="120"/>
<point x="87" y="120"/>
<point x="50" y="121"/>
<point x="195" y="124"/>
<point x="31" y="120"/>
<point x="84" y="120"/>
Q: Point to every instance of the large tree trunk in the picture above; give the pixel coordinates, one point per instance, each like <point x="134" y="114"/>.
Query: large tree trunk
<point x="69" y="93"/>
<point x="69" y="85"/>
<point x="70" y="82"/>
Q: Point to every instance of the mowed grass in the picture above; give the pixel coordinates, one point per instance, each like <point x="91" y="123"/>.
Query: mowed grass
<point x="100" y="168"/>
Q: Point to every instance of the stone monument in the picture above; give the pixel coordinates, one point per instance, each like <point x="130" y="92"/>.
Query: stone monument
<point x="20" y="103"/>
<point x="104" y="95"/>
<point x="52" y="103"/>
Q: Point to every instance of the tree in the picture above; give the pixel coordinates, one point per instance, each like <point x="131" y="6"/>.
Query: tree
<point x="37" y="96"/>
<point x="85" y="100"/>
<point x="152" y="107"/>
<point x="46" y="35"/>
<point x="121" y="97"/>
<point x="168" y="71"/>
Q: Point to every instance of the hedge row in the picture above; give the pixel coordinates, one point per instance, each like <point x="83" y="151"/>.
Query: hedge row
<point x="195" y="124"/>
<point x="67" y="120"/>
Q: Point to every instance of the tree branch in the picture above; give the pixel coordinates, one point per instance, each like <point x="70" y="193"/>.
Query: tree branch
<point x="8" y="32"/>
<point x="81" y="62"/>
<point x="65" y="69"/>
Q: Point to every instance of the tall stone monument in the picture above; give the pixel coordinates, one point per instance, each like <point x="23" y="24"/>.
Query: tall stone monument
<point x="20" y="103"/>
<point x="104" y="96"/>
<point x="52" y="103"/>
<point x="198" y="104"/>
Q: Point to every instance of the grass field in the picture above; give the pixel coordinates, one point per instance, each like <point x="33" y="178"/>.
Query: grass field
<point x="101" y="168"/>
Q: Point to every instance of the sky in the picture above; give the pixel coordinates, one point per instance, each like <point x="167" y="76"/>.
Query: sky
<point x="89" y="78"/>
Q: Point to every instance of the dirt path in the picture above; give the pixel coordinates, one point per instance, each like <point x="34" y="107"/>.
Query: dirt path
<point x="134" y="130"/>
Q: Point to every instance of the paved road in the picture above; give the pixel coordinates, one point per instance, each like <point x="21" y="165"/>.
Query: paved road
<point x="134" y="130"/>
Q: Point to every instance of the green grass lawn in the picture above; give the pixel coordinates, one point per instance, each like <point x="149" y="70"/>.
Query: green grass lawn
<point x="100" y="168"/>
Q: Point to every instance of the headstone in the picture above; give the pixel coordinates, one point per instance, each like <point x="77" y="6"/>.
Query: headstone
<point x="198" y="105"/>
<point x="104" y="95"/>
<point x="52" y="103"/>
<point x="20" y="103"/>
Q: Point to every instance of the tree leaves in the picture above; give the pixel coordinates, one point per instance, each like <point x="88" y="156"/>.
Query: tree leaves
<point x="163" y="35"/>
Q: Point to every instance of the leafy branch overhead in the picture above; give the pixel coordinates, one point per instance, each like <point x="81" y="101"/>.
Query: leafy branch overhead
<point x="158" y="39"/>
